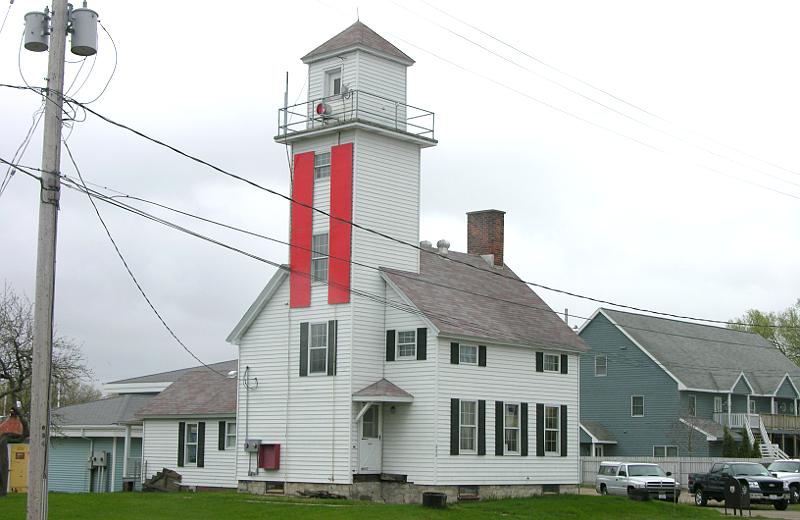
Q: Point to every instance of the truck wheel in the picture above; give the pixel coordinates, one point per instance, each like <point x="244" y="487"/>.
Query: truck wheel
<point x="700" y="498"/>
<point x="603" y="490"/>
<point x="781" y="505"/>
<point x="794" y="493"/>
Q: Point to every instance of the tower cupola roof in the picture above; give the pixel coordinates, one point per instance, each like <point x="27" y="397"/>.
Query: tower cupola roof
<point x="358" y="36"/>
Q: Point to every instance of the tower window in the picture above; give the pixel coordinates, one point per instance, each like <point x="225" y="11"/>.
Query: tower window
<point x="333" y="83"/>
<point x="319" y="258"/>
<point x="322" y="165"/>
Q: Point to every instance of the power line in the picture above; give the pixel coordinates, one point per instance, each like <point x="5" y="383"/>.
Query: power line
<point x="130" y="272"/>
<point x="405" y="308"/>
<point x="607" y="93"/>
<point x="3" y="25"/>
<point x="113" y="70"/>
<point x="382" y="234"/>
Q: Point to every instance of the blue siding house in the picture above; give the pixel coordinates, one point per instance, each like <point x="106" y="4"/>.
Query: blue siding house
<point x="660" y="387"/>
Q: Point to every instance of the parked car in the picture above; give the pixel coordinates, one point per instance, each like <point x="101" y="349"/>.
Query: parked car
<point x="762" y="486"/>
<point x="789" y="472"/>
<point x="629" y="478"/>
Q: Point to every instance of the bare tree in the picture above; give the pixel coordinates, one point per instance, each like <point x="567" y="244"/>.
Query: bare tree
<point x="16" y="356"/>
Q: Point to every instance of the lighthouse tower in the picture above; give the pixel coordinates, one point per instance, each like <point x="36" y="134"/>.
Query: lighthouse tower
<point x="316" y="335"/>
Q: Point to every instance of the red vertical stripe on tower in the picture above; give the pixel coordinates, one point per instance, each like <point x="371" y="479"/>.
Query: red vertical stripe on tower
<point x="340" y="232"/>
<point x="300" y="234"/>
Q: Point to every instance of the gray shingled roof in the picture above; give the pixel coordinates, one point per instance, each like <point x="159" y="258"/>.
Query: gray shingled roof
<point x="454" y="298"/>
<point x="200" y="392"/>
<point x="598" y="431"/>
<point x="710" y="427"/>
<point x="708" y="357"/>
<point x="383" y="388"/>
<point x="358" y="35"/>
<point x="109" y="411"/>
<point x="173" y="375"/>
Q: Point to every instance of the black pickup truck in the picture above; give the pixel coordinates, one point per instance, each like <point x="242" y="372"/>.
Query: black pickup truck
<point x="762" y="486"/>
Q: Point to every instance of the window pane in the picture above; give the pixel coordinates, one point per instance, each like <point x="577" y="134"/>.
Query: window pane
<point x="369" y="423"/>
<point x="406" y="343"/>
<point x="467" y="438"/>
<point x="672" y="451"/>
<point x="658" y="451"/>
<point x="637" y="405"/>
<point x="512" y="416"/>
<point x="191" y="433"/>
<point x="406" y="336"/>
<point x="551" y="362"/>
<point x="600" y="365"/>
<point x="319" y="258"/>
<point x="319" y="335"/>
<point x="468" y="354"/>
<point x="191" y="453"/>
<point x="230" y="428"/>
<point x="551" y="417"/>
<point x="512" y="440"/>
<point x="551" y="441"/>
<point x="317" y="360"/>
<point x="468" y="415"/>
<point x="322" y="165"/>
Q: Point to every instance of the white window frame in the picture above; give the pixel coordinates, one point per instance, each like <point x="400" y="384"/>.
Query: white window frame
<point x="463" y="425"/>
<point x="604" y="365"/>
<point x="318" y="256"/>
<point x="692" y="405"/>
<point x="517" y="430"/>
<point x="330" y="76"/>
<point x="718" y="407"/>
<point x="556" y="364"/>
<point x="557" y="429"/>
<point x="461" y="349"/>
<point x="322" y="168"/>
<point x="413" y="344"/>
<point x="187" y="443"/>
<point x="230" y="437"/>
<point x="666" y="449"/>
<point x="632" y="398"/>
<point x="598" y="450"/>
<point x="312" y="347"/>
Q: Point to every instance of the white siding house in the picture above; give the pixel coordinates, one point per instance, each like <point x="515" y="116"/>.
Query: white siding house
<point x="374" y="367"/>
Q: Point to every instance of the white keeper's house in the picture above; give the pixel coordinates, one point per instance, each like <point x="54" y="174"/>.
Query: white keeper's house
<point x="369" y="367"/>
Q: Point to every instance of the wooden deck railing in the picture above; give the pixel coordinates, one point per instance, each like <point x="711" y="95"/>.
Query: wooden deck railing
<point x="781" y="422"/>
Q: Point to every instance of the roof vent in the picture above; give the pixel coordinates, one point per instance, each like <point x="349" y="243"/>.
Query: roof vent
<point x="426" y="244"/>
<point x="443" y="246"/>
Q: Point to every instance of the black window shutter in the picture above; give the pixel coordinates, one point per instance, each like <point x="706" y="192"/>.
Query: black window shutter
<point x="221" y="436"/>
<point x="390" y="334"/>
<point x="481" y="355"/>
<point x="539" y="430"/>
<point x="498" y="428"/>
<point x="523" y="429"/>
<point x="540" y="361"/>
<point x="454" y="426"/>
<point x="333" y="328"/>
<point x="304" y="349"/>
<point x="564" y="364"/>
<point x="453" y="353"/>
<point x="564" y="430"/>
<point x="201" y="444"/>
<point x="422" y="343"/>
<point x="481" y="427"/>
<point x="181" y="441"/>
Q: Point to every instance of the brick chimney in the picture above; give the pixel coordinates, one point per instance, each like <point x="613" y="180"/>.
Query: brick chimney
<point x="485" y="234"/>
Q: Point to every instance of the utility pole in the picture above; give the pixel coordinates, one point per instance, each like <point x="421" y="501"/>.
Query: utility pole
<point x="46" y="267"/>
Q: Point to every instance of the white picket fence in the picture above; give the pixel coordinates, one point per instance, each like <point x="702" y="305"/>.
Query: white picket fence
<point x="680" y="467"/>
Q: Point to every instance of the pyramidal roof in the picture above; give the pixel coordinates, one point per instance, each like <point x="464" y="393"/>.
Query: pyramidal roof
<point x="358" y="35"/>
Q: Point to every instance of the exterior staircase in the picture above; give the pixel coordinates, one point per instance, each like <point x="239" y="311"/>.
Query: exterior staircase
<point x="765" y="445"/>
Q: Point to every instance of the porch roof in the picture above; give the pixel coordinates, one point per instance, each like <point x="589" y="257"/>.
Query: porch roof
<point x="383" y="391"/>
<point x="598" y="432"/>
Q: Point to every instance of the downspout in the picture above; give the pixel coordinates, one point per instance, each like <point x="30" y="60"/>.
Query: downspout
<point x="114" y="464"/>
<point x="288" y="391"/>
<point x="88" y="462"/>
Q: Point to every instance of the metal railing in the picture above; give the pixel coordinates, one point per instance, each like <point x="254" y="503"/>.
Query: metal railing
<point x="355" y="106"/>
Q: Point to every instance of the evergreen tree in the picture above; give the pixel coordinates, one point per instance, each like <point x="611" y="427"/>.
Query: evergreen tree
<point x="728" y="444"/>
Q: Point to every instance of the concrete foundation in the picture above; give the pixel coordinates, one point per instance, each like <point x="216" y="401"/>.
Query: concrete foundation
<point x="404" y="493"/>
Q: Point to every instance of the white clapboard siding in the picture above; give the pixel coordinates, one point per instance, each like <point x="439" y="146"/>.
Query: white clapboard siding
<point x="308" y="416"/>
<point x="160" y="451"/>
<point x="382" y="77"/>
<point x="317" y="71"/>
<point x="409" y="432"/>
<point x="509" y="376"/>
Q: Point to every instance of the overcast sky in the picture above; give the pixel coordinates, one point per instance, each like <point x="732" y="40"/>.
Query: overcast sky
<point x="658" y="223"/>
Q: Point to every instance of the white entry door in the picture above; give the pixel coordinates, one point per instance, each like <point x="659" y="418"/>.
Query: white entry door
<point x="369" y="444"/>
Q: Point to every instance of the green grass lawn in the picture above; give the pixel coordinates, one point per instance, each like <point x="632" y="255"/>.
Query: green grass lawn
<point x="180" y="506"/>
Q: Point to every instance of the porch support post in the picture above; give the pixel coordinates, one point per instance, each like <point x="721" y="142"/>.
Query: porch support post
<point x="126" y="451"/>
<point x="772" y="404"/>
<point x="729" y="409"/>
<point x="748" y="409"/>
